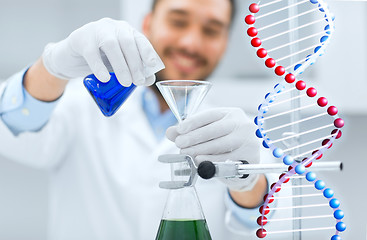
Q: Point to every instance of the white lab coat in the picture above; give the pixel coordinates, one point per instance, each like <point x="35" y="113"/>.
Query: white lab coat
<point x="104" y="172"/>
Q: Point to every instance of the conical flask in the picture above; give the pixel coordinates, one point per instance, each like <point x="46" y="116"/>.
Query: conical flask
<point x="183" y="217"/>
<point x="108" y="96"/>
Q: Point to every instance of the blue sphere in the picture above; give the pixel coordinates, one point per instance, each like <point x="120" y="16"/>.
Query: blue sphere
<point x="314" y="1"/>
<point x="311" y="176"/>
<point x="278" y="87"/>
<point x="277" y="152"/>
<point x="319" y="184"/>
<point x="336" y="237"/>
<point x="323" y="39"/>
<point x="338" y="214"/>
<point x="340" y="226"/>
<point x="328" y="193"/>
<point x="334" y="203"/>
<point x="288" y="160"/>
<point x="300" y="169"/>
<point x="265" y="144"/>
<point x="316" y="49"/>
<point x="258" y="133"/>
<point x="297" y="66"/>
<point x="255" y="120"/>
<point x="327" y="27"/>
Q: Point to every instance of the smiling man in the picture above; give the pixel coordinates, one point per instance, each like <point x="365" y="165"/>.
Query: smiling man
<point x="189" y="36"/>
<point x="104" y="172"/>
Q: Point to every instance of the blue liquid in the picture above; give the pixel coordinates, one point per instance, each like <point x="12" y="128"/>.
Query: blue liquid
<point x="108" y="96"/>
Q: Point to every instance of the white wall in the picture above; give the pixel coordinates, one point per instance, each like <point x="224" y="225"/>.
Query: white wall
<point x="26" y="26"/>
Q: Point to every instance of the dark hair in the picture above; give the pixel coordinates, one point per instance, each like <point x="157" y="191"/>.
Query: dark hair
<point x="232" y="2"/>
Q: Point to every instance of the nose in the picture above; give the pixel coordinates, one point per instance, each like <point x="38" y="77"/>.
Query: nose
<point x="191" y="40"/>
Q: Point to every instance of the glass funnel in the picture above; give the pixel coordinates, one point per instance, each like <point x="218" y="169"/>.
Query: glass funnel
<point x="183" y="96"/>
<point x="183" y="217"/>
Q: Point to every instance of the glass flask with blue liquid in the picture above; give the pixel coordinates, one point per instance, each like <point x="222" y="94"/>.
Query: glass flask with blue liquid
<point x="108" y="96"/>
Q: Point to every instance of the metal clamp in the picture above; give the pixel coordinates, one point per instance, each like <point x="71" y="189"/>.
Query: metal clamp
<point x="227" y="169"/>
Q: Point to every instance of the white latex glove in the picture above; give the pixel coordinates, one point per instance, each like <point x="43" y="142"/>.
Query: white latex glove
<point x="103" y="46"/>
<point x="219" y="134"/>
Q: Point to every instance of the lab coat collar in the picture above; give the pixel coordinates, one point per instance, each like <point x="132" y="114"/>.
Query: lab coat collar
<point x="141" y="124"/>
<point x="159" y="122"/>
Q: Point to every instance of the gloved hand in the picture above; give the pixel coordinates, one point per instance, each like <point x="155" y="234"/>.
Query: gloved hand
<point x="103" y="46"/>
<point x="216" y="135"/>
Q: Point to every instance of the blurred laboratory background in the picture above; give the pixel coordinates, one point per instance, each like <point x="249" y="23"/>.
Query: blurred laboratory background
<point x="241" y="80"/>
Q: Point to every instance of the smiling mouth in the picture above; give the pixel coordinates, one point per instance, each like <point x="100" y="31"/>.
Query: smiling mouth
<point x="186" y="63"/>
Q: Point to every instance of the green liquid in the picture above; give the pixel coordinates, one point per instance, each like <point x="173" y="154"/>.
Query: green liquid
<point x="183" y="230"/>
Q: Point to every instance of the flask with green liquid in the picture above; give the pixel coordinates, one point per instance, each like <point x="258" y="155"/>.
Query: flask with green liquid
<point x="183" y="217"/>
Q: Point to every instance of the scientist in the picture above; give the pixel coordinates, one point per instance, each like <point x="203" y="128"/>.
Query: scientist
<point x="104" y="172"/>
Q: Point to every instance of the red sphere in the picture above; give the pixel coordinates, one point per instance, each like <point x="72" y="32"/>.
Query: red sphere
<point x="314" y="152"/>
<point x="252" y="32"/>
<point x="266" y="210"/>
<point x="308" y="164"/>
<point x="262" y="221"/>
<point x="290" y="78"/>
<point x="279" y="70"/>
<point x="332" y="110"/>
<point x="278" y="187"/>
<point x="254" y="8"/>
<point x="322" y="101"/>
<point x="337" y="135"/>
<point x="261" y="53"/>
<point x="290" y="168"/>
<point x="270" y="62"/>
<point x="339" y="123"/>
<point x="261" y="233"/>
<point x="300" y="85"/>
<point x="270" y="200"/>
<point x="286" y="180"/>
<point x="256" y="42"/>
<point x="250" y="19"/>
<point x="311" y="92"/>
<point x="326" y="141"/>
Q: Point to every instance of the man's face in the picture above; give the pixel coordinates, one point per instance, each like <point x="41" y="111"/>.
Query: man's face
<point x="190" y="36"/>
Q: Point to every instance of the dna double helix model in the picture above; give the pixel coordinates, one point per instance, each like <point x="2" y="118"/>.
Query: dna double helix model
<point x="295" y="123"/>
